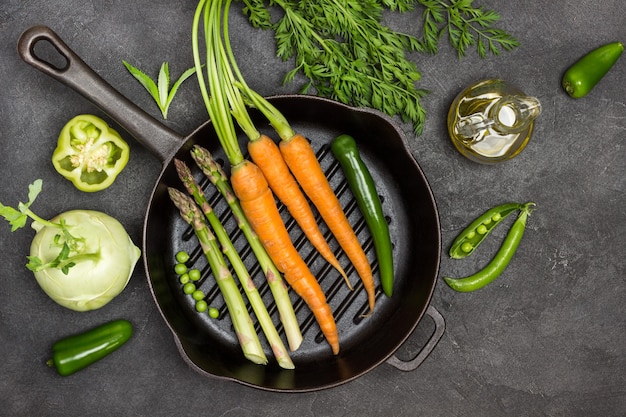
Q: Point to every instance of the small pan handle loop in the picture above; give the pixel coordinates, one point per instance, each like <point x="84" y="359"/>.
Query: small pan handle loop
<point x="26" y="49"/>
<point x="411" y="365"/>
<point x="159" y="139"/>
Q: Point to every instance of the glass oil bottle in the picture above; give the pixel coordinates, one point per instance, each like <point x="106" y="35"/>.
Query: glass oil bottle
<point x="492" y="121"/>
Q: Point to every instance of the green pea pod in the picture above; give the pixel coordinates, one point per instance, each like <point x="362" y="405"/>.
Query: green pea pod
<point x="469" y="239"/>
<point x="499" y="262"/>
<point x="581" y="77"/>
<point x="73" y="353"/>
<point x="362" y="185"/>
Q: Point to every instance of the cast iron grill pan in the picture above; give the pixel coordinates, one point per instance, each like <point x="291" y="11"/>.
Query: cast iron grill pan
<point x="210" y="345"/>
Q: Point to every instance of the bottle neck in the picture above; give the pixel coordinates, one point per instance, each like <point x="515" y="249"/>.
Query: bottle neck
<point x="508" y="115"/>
<point x="513" y="114"/>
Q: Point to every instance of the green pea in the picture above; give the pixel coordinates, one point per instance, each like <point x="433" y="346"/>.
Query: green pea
<point x="487" y="222"/>
<point x="189" y="288"/>
<point x="201" y="306"/>
<point x="496" y="217"/>
<point x="180" y="268"/>
<point x="214" y="312"/>
<point x="182" y="257"/>
<point x="466" y="247"/>
<point x="197" y="295"/>
<point x="194" y="274"/>
<point x="471" y="235"/>
<point x="184" y="278"/>
<point x="481" y="230"/>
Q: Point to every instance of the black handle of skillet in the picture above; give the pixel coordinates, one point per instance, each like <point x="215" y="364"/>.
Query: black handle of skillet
<point x="415" y="362"/>
<point x="159" y="139"/>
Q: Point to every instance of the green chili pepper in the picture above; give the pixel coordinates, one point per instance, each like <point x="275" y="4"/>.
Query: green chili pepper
<point x="500" y="261"/>
<point x="581" y="77"/>
<point x="469" y="239"/>
<point x="90" y="153"/>
<point x="362" y="185"/>
<point x="73" y="353"/>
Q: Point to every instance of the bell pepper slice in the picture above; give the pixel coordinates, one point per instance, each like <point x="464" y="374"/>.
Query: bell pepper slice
<point x="89" y="153"/>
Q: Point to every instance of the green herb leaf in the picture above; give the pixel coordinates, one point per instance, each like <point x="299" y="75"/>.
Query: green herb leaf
<point x="34" y="263"/>
<point x="14" y="217"/>
<point x="465" y="25"/>
<point x="17" y="218"/>
<point x="345" y="52"/>
<point x="145" y="80"/>
<point x="160" y="91"/>
<point x="33" y="191"/>
<point x="177" y="84"/>
<point x="164" y="85"/>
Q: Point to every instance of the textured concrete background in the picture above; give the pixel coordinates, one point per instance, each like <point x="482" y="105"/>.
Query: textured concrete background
<point x="548" y="338"/>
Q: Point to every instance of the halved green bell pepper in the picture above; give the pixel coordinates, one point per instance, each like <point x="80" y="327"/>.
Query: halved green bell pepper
<point x="90" y="153"/>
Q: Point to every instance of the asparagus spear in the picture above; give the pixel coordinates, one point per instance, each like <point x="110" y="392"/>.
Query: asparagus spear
<point x="248" y="339"/>
<point x="276" y="343"/>
<point x="218" y="177"/>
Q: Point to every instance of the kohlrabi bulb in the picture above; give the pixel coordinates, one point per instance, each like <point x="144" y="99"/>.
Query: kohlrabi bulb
<point x="104" y="258"/>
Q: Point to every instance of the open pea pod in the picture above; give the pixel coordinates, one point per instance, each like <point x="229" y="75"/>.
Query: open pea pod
<point x="469" y="239"/>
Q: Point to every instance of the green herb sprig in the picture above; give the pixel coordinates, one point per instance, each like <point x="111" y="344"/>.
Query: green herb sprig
<point x="465" y="26"/>
<point x="160" y="91"/>
<point x="345" y="52"/>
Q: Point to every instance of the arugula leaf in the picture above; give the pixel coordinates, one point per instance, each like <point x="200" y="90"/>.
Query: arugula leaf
<point x="160" y="91"/>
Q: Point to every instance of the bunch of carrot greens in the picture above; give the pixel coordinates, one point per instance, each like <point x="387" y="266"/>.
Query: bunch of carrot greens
<point x="345" y="51"/>
<point x="274" y="168"/>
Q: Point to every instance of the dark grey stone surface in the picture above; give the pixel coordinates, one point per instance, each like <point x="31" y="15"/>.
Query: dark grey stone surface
<point x="548" y="338"/>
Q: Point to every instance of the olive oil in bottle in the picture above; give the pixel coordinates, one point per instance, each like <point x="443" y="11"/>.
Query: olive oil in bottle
<point x="491" y="121"/>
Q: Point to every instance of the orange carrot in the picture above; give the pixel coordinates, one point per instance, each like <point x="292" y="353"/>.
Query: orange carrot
<point x="267" y="157"/>
<point x="304" y="165"/>
<point x="257" y="202"/>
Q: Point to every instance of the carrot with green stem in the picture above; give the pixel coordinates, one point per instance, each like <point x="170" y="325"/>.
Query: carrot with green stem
<point x="249" y="288"/>
<point x="244" y="329"/>
<point x="248" y="182"/>
<point x="303" y="164"/>
<point x="214" y="172"/>
<point x="266" y="155"/>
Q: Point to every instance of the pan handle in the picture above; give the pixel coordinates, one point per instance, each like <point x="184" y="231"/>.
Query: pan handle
<point x="159" y="139"/>
<point x="411" y="365"/>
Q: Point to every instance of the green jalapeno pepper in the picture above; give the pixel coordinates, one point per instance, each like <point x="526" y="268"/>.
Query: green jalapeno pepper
<point x="362" y="185"/>
<point x="581" y="77"/>
<point x="89" y="153"/>
<point x="499" y="262"/>
<point x="469" y="239"/>
<point x="73" y="353"/>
